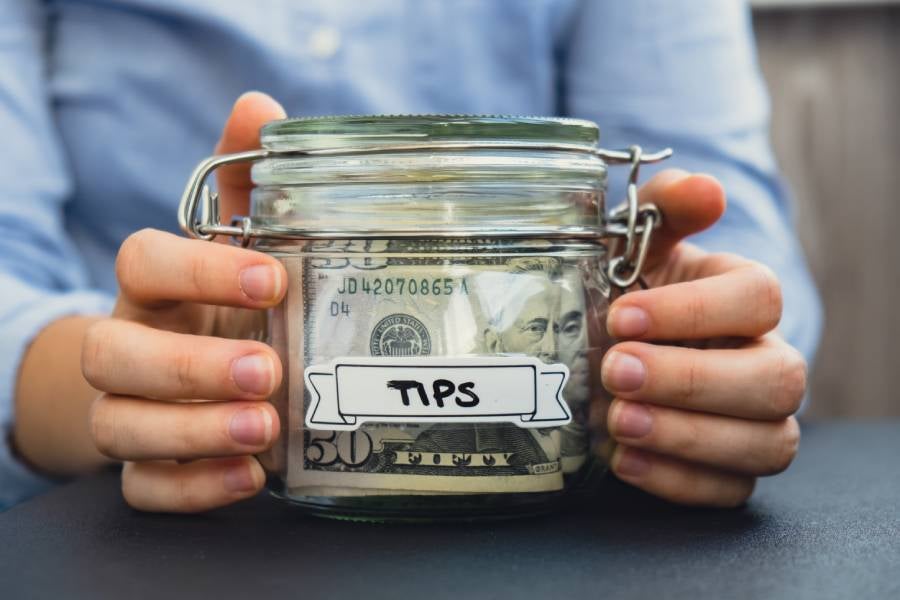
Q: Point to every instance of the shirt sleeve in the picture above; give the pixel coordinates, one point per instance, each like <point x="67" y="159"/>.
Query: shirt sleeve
<point x="42" y="277"/>
<point x="684" y="74"/>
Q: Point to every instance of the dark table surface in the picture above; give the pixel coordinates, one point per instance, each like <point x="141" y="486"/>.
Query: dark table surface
<point x="827" y="528"/>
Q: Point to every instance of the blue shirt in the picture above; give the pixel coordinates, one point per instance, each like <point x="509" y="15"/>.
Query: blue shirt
<point x="106" y="105"/>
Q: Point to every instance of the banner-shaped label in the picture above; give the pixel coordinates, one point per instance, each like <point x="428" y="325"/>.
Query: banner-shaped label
<point x="351" y="391"/>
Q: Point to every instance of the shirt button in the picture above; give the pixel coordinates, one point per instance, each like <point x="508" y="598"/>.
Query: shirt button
<point x="324" y="42"/>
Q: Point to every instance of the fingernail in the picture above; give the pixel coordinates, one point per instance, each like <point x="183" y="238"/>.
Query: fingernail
<point x="629" y="462"/>
<point x="238" y="478"/>
<point x="254" y="373"/>
<point x="632" y="420"/>
<point x="251" y="427"/>
<point x="261" y="282"/>
<point x="623" y="372"/>
<point x="627" y="321"/>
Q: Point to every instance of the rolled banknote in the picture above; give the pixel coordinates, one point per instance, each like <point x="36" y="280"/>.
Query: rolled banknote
<point x="419" y="301"/>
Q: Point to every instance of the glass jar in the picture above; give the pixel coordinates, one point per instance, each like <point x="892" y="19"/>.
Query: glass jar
<point x="448" y="281"/>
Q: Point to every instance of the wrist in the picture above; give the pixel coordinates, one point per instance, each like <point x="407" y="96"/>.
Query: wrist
<point x="51" y="432"/>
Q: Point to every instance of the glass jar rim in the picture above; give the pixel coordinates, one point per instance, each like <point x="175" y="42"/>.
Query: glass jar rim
<point x="361" y="131"/>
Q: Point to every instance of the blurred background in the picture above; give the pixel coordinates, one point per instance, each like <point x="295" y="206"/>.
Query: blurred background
<point x="833" y="69"/>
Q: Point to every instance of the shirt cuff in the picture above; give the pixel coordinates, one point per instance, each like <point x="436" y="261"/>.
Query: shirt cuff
<point x="20" y="327"/>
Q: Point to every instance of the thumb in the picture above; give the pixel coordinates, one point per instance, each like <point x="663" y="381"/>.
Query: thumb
<point x="241" y="133"/>
<point x="689" y="203"/>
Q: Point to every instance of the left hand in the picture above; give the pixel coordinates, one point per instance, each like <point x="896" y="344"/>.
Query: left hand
<point x="697" y="422"/>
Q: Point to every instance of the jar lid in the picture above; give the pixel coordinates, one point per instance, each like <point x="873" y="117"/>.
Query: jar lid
<point x="557" y="161"/>
<point x="320" y="133"/>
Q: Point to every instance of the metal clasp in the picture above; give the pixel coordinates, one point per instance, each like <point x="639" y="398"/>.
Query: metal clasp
<point x="198" y="214"/>
<point x="639" y="221"/>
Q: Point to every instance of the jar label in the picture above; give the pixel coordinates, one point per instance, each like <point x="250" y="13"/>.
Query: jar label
<point x="513" y="389"/>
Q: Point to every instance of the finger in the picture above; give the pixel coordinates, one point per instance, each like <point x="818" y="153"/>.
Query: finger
<point x="121" y="357"/>
<point x="250" y="112"/>
<point x="137" y="429"/>
<point x="599" y="410"/>
<point x="743" y="302"/>
<point x="738" y="445"/>
<point x="155" y="268"/>
<point x="679" y="481"/>
<point x="763" y="380"/>
<point x="190" y="487"/>
<point x="689" y="204"/>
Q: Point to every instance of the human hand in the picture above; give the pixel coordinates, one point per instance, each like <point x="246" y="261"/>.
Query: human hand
<point x="697" y="422"/>
<point x="184" y="409"/>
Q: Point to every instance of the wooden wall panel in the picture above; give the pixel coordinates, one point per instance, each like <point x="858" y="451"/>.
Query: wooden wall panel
<point x="834" y="78"/>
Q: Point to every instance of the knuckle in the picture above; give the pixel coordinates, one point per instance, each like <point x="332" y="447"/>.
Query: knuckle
<point x="790" y="383"/>
<point x="737" y="493"/>
<point x="697" y="487"/>
<point x="766" y="289"/>
<point x="103" y="426"/>
<point x="684" y="495"/>
<point x="187" y="496"/>
<point x="688" y="441"/>
<point x="196" y="275"/>
<point x="690" y="384"/>
<point x="695" y="314"/>
<point x="723" y="261"/>
<point x="131" y="257"/>
<point x="687" y="489"/>
<point x="785" y="450"/>
<point x="202" y="430"/>
<point x="131" y="486"/>
<point x="94" y="346"/>
<point x="191" y="437"/>
<point x="177" y="491"/>
<point x="183" y="371"/>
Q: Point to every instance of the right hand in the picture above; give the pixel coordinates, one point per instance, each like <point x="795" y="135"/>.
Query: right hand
<point x="186" y="410"/>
